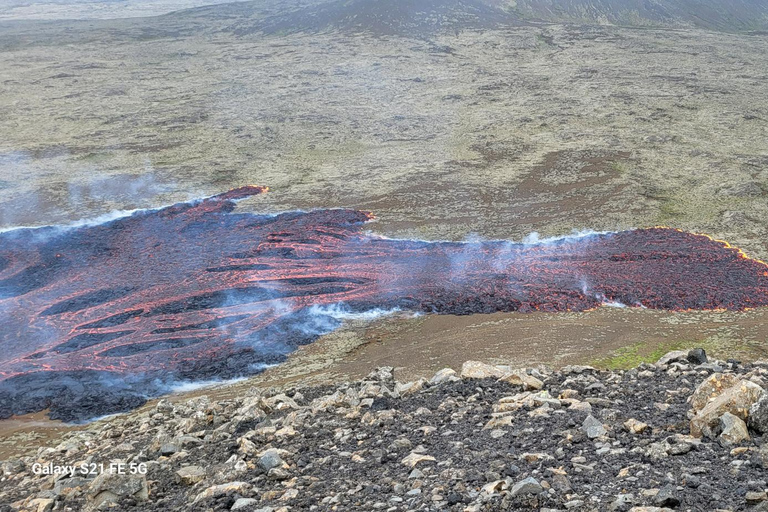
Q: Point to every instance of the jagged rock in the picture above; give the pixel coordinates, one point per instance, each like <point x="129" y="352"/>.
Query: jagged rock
<point x="109" y="488"/>
<point x="667" y="497"/>
<point x="737" y="400"/>
<point x="414" y="458"/>
<point x="384" y="374"/>
<point x="244" y="504"/>
<point x="758" y="415"/>
<point x="41" y="505"/>
<point x="410" y="388"/>
<point x="697" y="356"/>
<point x="528" y="486"/>
<point x="190" y="475"/>
<point x="520" y="378"/>
<point x="733" y="429"/>
<point x="755" y="497"/>
<point x="634" y="426"/>
<point x="271" y="459"/>
<point x="592" y="427"/>
<point x="671" y="357"/>
<point x="622" y="503"/>
<point x="444" y="375"/>
<point x="478" y="370"/>
<point x="711" y="388"/>
<point x="220" y="490"/>
<point x="168" y="449"/>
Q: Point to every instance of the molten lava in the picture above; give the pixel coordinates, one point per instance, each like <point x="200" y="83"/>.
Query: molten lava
<point x="96" y="318"/>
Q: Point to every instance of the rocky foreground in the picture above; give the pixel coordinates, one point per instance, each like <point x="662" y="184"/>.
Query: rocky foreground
<point x="682" y="434"/>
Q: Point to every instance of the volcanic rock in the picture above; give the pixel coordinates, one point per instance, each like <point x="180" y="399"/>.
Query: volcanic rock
<point x="528" y="486"/>
<point x="522" y="379"/>
<point x="414" y="458"/>
<point x="190" y="475"/>
<point x="110" y="488"/>
<point x="671" y="357"/>
<point x="733" y="429"/>
<point x="622" y="503"/>
<point x="222" y="489"/>
<point x="425" y="450"/>
<point x="635" y="426"/>
<point x="271" y="459"/>
<point x="478" y="370"/>
<point x="444" y="375"/>
<point x="41" y="504"/>
<point x="592" y="427"/>
<point x="758" y="415"/>
<point x="666" y="497"/>
<point x="737" y="400"/>
<point x="697" y="356"/>
<point x="711" y="388"/>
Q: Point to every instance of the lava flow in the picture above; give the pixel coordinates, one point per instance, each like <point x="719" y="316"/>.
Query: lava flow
<point x="97" y="318"/>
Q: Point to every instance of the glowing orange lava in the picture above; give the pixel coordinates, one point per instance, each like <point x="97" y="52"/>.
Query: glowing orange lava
<point x="96" y="318"/>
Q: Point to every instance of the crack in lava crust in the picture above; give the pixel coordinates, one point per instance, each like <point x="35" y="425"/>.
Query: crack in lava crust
<point x="97" y="318"/>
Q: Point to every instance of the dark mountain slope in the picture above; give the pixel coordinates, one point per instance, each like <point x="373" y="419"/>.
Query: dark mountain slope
<point x="385" y="17"/>
<point x="424" y="17"/>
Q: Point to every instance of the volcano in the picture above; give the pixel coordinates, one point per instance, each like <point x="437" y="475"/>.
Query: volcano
<point x="97" y="318"/>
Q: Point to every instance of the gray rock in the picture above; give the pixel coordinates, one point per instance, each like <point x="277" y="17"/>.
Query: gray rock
<point x="244" y="503"/>
<point x="270" y="459"/>
<point x="733" y="428"/>
<point x="110" y="488"/>
<point x="528" y="486"/>
<point x="592" y="427"/>
<point x="697" y="356"/>
<point x="168" y="449"/>
<point x="671" y="357"/>
<point x="622" y="503"/>
<point x="666" y="497"/>
<point x="758" y="415"/>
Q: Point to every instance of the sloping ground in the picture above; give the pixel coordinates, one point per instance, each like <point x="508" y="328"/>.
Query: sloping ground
<point x="418" y="18"/>
<point x="739" y="15"/>
<point x="385" y="17"/>
<point x="671" y="435"/>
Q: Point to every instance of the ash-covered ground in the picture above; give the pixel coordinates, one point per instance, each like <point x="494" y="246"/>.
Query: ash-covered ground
<point x="682" y="434"/>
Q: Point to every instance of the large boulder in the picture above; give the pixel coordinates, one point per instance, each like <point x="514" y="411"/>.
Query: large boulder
<point x="710" y="389"/>
<point x="672" y="357"/>
<point x="736" y="400"/>
<point x="478" y="370"/>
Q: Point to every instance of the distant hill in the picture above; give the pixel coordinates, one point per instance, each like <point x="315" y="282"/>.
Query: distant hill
<point x="725" y="15"/>
<point x="424" y="17"/>
<point x="408" y="17"/>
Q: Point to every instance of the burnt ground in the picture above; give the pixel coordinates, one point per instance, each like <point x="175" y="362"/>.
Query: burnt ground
<point x="347" y="447"/>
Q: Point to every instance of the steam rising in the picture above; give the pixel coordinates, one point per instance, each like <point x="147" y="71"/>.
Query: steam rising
<point x="99" y="316"/>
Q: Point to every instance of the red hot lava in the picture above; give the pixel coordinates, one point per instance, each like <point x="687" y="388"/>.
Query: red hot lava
<point x="96" y="318"/>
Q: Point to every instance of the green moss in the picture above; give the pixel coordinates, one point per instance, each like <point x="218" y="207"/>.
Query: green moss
<point x="619" y="168"/>
<point x="632" y="355"/>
